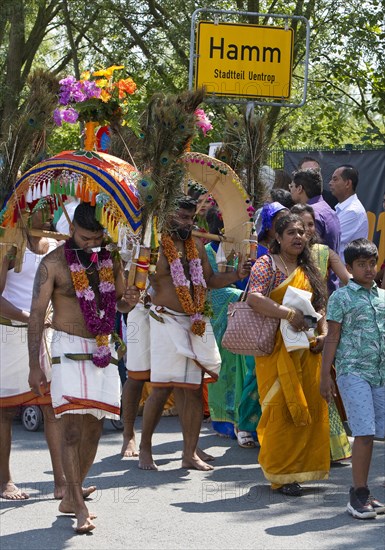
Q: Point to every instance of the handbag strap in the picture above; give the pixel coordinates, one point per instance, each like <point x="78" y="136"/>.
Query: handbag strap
<point x="272" y="280"/>
<point x="271" y="284"/>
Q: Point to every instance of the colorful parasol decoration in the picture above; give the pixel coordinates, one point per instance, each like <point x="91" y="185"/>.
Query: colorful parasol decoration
<point x="104" y="181"/>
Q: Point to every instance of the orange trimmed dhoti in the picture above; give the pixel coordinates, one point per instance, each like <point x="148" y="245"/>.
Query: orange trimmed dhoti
<point x="14" y="366"/>
<point x="79" y="386"/>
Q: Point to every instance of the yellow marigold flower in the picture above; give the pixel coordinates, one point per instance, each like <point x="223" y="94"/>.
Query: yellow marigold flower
<point x="101" y="82"/>
<point x="85" y="75"/>
<point x="101" y="340"/>
<point x="105" y="96"/>
<point x="108" y="72"/>
<point x="106" y="274"/>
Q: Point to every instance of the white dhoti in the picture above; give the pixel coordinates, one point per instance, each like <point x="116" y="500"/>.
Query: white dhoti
<point x="179" y="357"/>
<point x="138" y="343"/>
<point x="79" y="386"/>
<point x="14" y="366"/>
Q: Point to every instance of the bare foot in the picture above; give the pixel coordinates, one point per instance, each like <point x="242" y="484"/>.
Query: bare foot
<point x="67" y="507"/>
<point x="195" y="463"/>
<point x="87" y="491"/>
<point x="84" y="524"/>
<point x="204" y="456"/>
<point x="129" y="448"/>
<point x="146" y="461"/>
<point x="10" y="491"/>
<point x="59" y="492"/>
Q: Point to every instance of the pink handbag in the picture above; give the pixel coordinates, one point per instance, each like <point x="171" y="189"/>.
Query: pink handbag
<point x="249" y="332"/>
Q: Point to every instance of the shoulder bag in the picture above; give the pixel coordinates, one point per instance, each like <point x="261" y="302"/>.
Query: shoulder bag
<point x="249" y="332"/>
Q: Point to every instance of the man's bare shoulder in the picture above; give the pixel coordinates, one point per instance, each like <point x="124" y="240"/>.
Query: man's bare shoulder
<point x="55" y="262"/>
<point x="56" y="255"/>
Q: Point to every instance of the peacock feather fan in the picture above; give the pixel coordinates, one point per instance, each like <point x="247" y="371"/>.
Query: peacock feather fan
<point x="168" y="126"/>
<point x="244" y="149"/>
<point x="23" y="145"/>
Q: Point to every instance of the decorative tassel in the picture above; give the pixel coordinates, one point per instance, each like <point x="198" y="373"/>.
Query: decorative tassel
<point x="94" y="257"/>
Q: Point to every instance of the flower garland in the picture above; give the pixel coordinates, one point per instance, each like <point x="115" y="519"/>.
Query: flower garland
<point x="193" y="307"/>
<point x="99" y="322"/>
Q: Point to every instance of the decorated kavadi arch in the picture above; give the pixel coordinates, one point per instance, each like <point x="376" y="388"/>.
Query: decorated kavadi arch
<point x="111" y="185"/>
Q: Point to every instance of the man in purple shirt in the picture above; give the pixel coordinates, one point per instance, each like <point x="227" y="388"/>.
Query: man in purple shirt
<point x="306" y="188"/>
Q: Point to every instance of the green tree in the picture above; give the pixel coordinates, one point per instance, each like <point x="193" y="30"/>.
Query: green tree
<point x="152" y="39"/>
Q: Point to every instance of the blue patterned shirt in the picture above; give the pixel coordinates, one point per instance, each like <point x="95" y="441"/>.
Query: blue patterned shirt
<point x="361" y="349"/>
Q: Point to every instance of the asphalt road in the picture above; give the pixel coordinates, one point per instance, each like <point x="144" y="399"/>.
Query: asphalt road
<point x="230" y="507"/>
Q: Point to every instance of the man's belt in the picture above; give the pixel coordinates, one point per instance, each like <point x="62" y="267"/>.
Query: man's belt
<point x="156" y="317"/>
<point x="80" y="357"/>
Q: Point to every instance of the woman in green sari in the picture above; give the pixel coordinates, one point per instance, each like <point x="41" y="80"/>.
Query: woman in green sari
<point x="326" y="259"/>
<point x="225" y="395"/>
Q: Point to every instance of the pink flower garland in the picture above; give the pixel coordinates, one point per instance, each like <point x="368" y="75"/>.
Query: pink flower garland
<point x="99" y="322"/>
<point x="181" y="283"/>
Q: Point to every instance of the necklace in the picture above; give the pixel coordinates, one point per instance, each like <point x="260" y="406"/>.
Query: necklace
<point x="191" y="306"/>
<point x="81" y="263"/>
<point x="284" y="264"/>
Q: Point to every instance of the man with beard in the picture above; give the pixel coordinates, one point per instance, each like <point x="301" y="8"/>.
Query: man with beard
<point x="85" y="286"/>
<point x="183" y="347"/>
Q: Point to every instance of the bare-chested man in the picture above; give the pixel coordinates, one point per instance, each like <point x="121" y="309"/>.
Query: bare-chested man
<point x="179" y="358"/>
<point x="85" y="385"/>
<point x="15" y="302"/>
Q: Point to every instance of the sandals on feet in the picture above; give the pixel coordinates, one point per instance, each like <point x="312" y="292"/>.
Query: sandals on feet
<point x="245" y="440"/>
<point x="291" y="489"/>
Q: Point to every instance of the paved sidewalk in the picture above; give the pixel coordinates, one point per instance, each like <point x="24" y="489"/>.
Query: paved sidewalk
<point x="230" y="507"/>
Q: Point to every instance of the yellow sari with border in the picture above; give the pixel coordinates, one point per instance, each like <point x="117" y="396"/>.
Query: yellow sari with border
<point x="294" y="427"/>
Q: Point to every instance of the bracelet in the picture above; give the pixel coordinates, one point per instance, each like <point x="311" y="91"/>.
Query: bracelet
<point x="290" y="316"/>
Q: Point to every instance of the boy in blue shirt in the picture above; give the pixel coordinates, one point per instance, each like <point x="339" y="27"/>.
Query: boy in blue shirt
<point x="356" y="342"/>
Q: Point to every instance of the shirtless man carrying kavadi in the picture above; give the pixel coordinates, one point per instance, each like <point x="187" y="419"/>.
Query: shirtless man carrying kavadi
<point x="85" y="286"/>
<point x="183" y="347"/>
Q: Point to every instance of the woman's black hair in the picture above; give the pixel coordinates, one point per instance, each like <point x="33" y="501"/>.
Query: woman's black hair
<point x="283" y="196"/>
<point x="305" y="261"/>
<point x="214" y="221"/>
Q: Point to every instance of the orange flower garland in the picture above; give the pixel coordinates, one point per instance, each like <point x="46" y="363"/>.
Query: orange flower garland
<point x="191" y="306"/>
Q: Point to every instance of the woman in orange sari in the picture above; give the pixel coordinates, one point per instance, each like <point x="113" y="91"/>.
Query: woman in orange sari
<point x="294" y="428"/>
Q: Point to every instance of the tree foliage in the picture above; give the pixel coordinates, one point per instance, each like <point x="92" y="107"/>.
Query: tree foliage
<point x="346" y="92"/>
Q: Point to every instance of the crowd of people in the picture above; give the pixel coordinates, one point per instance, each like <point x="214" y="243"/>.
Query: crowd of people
<point x="291" y="403"/>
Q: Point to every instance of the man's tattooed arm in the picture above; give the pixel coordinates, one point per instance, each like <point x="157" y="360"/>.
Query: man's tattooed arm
<point x="41" y="296"/>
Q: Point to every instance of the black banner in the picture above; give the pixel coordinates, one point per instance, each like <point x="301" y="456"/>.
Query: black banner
<point x="371" y="183"/>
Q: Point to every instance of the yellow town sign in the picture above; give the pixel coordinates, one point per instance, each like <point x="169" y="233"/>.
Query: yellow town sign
<point x="244" y="60"/>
